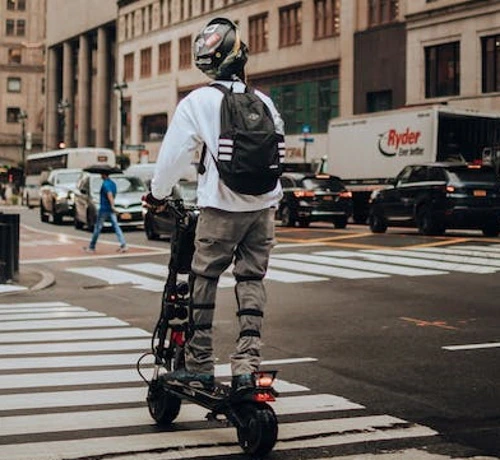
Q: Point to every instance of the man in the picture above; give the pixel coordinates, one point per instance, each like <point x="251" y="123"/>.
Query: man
<point x="107" y="212"/>
<point x="232" y="227"/>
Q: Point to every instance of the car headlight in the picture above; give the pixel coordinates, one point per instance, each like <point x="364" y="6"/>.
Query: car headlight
<point x="61" y="195"/>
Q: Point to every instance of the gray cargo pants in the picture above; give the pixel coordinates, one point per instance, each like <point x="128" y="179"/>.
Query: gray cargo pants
<point x="222" y="238"/>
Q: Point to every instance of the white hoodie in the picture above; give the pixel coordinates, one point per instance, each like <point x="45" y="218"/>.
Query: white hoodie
<point x="197" y="121"/>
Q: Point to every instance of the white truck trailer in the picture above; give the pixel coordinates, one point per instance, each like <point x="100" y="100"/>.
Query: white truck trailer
<point x="367" y="151"/>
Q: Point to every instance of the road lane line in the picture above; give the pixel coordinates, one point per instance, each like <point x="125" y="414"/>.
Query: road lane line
<point x="113" y="276"/>
<point x="66" y="336"/>
<point x="29" y="311"/>
<point x="61" y="324"/>
<point x="389" y="258"/>
<point x="361" y="265"/>
<point x="473" y="346"/>
<point x="34" y="304"/>
<point x="136" y="417"/>
<point x="50" y="315"/>
<point x="72" y="347"/>
<point x="78" y="398"/>
<point x="322" y="270"/>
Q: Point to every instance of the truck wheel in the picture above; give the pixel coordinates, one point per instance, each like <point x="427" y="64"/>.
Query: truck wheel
<point x="377" y="222"/>
<point x="427" y="223"/>
<point x="340" y="222"/>
<point x="286" y="217"/>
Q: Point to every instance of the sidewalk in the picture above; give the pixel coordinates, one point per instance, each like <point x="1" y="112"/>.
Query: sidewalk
<point x="30" y="279"/>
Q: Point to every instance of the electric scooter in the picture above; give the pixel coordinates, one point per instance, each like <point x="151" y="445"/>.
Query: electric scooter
<point x="247" y="410"/>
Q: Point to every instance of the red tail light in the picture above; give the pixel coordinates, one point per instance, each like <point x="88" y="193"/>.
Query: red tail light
<point x="178" y="338"/>
<point x="450" y="189"/>
<point x="303" y="193"/>
<point x="345" y="194"/>
<point x="263" y="397"/>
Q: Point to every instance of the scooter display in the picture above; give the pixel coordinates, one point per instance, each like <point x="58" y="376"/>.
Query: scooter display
<point x="248" y="410"/>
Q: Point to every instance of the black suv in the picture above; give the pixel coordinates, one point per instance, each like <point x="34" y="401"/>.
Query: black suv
<point x="437" y="196"/>
<point x="314" y="197"/>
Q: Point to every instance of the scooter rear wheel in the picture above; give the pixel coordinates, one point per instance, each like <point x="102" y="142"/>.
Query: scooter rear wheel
<point x="163" y="406"/>
<point x="259" y="431"/>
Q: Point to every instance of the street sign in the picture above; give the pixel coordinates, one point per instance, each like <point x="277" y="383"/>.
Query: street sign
<point x="306" y="139"/>
<point x="306" y="129"/>
<point x="134" y="147"/>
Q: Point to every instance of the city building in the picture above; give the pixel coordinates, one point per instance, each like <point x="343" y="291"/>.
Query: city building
<point x="81" y="49"/>
<point x="318" y="59"/>
<point x="22" y="83"/>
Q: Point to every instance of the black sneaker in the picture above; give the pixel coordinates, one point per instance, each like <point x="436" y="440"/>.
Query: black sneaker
<point x="243" y="382"/>
<point x="192" y="379"/>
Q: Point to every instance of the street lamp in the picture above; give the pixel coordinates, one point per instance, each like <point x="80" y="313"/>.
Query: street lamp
<point x="120" y="87"/>
<point x="21" y="118"/>
<point x="62" y="105"/>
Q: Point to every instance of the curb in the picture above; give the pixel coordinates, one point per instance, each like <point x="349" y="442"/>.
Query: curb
<point x="48" y="279"/>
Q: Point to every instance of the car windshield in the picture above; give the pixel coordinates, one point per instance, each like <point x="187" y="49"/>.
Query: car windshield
<point x="67" y="178"/>
<point x="123" y="185"/>
<point x="326" y="185"/>
<point x="188" y="191"/>
<point x="473" y="175"/>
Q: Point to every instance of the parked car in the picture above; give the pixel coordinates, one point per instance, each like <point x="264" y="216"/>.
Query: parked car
<point x="309" y="197"/>
<point x="31" y="192"/>
<point x="161" y="224"/>
<point x="437" y="196"/>
<point x="57" y="195"/>
<point x="130" y="190"/>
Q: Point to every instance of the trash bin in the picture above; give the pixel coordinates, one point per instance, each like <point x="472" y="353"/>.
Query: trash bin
<point x="9" y="246"/>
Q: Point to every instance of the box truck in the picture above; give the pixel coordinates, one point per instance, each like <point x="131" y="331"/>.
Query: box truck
<point x="367" y="151"/>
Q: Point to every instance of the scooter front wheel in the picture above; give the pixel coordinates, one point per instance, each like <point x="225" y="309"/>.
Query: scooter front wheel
<point x="258" y="431"/>
<point x="163" y="406"/>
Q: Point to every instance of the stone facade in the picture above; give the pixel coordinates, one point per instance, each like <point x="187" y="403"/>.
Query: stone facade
<point x="22" y="85"/>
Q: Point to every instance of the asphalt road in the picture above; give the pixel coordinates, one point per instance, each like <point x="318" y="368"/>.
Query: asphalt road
<point x="382" y="342"/>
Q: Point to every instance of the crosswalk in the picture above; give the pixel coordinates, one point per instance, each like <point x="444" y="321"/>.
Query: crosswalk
<point x="295" y="267"/>
<point x="69" y="389"/>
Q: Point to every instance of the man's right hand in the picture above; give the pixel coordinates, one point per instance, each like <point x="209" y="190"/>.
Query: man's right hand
<point x="150" y="202"/>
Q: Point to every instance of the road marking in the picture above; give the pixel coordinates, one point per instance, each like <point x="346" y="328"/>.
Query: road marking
<point x="424" y="323"/>
<point x="49" y="315"/>
<point x="28" y="311"/>
<point x="60" y="336"/>
<point x="4" y="288"/>
<point x="60" y="324"/>
<point x="361" y="265"/>
<point x="34" y="304"/>
<point x="113" y="276"/>
<point x="69" y="347"/>
<point x="390" y="257"/>
<point x="322" y="270"/>
<point x="473" y="346"/>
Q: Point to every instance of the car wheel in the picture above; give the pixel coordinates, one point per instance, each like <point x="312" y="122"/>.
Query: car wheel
<point x="78" y="225"/>
<point x="427" y="223"/>
<point x="491" y="229"/>
<point x="56" y="217"/>
<point x="340" y="222"/>
<point x="149" y="229"/>
<point x="286" y="217"/>
<point x="43" y="215"/>
<point x="377" y="222"/>
<point x="90" y="222"/>
<point x="304" y="223"/>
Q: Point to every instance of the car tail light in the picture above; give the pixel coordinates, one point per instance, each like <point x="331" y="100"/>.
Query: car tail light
<point x="450" y="189"/>
<point x="303" y="193"/>
<point x="345" y="194"/>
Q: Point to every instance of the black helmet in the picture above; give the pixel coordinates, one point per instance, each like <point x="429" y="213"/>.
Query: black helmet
<point x="218" y="49"/>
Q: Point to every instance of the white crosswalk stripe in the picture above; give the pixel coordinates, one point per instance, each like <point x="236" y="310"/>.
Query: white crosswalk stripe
<point x="297" y="267"/>
<point x="45" y="402"/>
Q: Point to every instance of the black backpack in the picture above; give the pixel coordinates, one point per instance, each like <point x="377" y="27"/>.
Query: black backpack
<point x="250" y="152"/>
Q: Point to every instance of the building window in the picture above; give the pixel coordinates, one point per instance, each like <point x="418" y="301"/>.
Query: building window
<point x="326" y="18"/>
<point x="165" y="57"/>
<point x="146" y="62"/>
<point x="14" y="55"/>
<point x="202" y="6"/>
<point x="491" y="64"/>
<point x="442" y="70"/>
<point x="19" y="5"/>
<point x="382" y="11"/>
<point x="290" y="25"/>
<point x="128" y="67"/>
<point x="185" y="52"/>
<point x="10" y="27"/>
<point x="181" y="10"/>
<point x="21" y="28"/>
<point x="169" y="11"/>
<point x="13" y="84"/>
<point x="154" y="127"/>
<point x="190" y="8"/>
<point x="379" y="100"/>
<point x="258" y="33"/>
<point x="13" y="114"/>
<point x="312" y="103"/>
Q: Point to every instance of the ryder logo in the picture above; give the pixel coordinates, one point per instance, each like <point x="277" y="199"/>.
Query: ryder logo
<point x="393" y="142"/>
